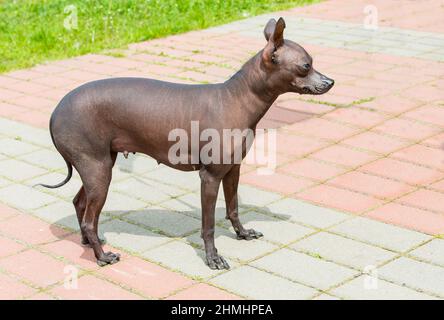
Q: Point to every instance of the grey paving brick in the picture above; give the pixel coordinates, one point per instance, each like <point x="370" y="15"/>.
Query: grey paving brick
<point x="253" y="197"/>
<point x="61" y="213"/>
<point x="228" y="245"/>
<point x="15" y="147"/>
<point x="189" y="204"/>
<point x="130" y="237"/>
<point x="183" y="257"/>
<point x="147" y="190"/>
<point x="381" y="234"/>
<point x="273" y="229"/>
<point x="305" y="213"/>
<point x="120" y="202"/>
<point x="170" y="222"/>
<point x="180" y="179"/>
<point x="415" y="274"/>
<point x="342" y="250"/>
<point x="4" y="182"/>
<point x="136" y="164"/>
<point x="25" y="132"/>
<point x="45" y="158"/>
<point x="357" y="289"/>
<point x="68" y="191"/>
<point x="305" y="269"/>
<point x="18" y="170"/>
<point x="24" y="197"/>
<point x="256" y="284"/>
<point x="432" y="251"/>
<point x="326" y="297"/>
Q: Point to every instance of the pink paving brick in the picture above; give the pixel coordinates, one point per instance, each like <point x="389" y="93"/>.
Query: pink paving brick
<point x="422" y="155"/>
<point x="34" y="118"/>
<point x="9" y="110"/>
<point x="375" y="142"/>
<point x="372" y="185"/>
<point x="203" y="291"/>
<point x="391" y="104"/>
<point x="11" y="288"/>
<point x="431" y="114"/>
<point x="277" y="182"/>
<point x="407" y="129"/>
<point x="147" y="278"/>
<point x="435" y="141"/>
<point x="357" y="117"/>
<point x="294" y="145"/>
<point x="36" y="267"/>
<point x="303" y="106"/>
<point x="92" y="288"/>
<point x="339" y="198"/>
<point x="7" y="212"/>
<point x="321" y="128"/>
<point x="403" y="171"/>
<point x="9" y="247"/>
<point x="425" y="199"/>
<point x="31" y="230"/>
<point x="342" y="155"/>
<point x="312" y="169"/>
<point x="408" y="217"/>
<point x="70" y="248"/>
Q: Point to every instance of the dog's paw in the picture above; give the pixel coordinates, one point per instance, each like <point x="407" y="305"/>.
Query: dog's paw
<point x="216" y="261"/>
<point x="108" y="258"/>
<point x="248" y="234"/>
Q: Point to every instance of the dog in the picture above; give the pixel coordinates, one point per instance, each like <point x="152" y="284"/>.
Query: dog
<point x="99" y="119"/>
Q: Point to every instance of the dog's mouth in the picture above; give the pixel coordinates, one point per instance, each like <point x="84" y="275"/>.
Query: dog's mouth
<point x="316" y="89"/>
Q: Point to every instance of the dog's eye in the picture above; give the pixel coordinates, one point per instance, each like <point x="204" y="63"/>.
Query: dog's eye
<point x="306" y="66"/>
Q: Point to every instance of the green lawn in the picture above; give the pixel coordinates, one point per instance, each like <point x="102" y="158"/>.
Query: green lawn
<point x="33" y="31"/>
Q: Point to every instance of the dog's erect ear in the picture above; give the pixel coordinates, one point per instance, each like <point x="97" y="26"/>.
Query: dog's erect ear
<point x="274" y="33"/>
<point x="269" y="28"/>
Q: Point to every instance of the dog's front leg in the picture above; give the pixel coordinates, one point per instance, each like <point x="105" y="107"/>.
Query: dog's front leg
<point x="209" y="190"/>
<point x="230" y="184"/>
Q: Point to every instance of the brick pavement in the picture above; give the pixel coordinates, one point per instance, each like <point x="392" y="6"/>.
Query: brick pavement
<point x="360" y="169"/>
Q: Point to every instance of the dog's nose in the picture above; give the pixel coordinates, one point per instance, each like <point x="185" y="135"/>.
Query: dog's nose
<point x="327" y="81"/>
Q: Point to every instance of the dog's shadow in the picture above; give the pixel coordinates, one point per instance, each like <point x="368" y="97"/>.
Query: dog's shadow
<point x="116" y="224"/>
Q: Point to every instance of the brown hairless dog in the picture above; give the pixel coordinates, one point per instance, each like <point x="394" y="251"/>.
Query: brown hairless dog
<point x="94" y="122"/>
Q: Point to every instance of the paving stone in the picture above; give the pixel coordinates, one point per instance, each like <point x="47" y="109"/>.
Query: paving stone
<point x="256" y="284"/>
<point x="356" y="289"/>
<point x="68" y="191"/>
<point x="135" y="164"/>
<point x="342" y="250"/>
<point x="274" y="230"/>
<point x="130" y="237"/>
<point x="380" y="234"/>
<point x="15" y="194"/>
<point x="302" y="212"/>
<point x="4" y="182"/>
<point x="45" y="158"/>
<point x="147" y="190"/>
<point x="170" y="222"/>
<point x="415" y="274"/>
<point x="228" y="245"/>
<point x="255" y="198"/>
<point x="326" y="297"/>
<point x="189" y="204"/>
<point x="432" y="251"/>
<point x="18" y="170"/>
<point x="183" y="257"/>
<point x="116" y="202"/>
<point x="25" y="132"/>
<point x="305" y="269"/>
<point x="15" y="147"/>
<point x="180" y="179"/>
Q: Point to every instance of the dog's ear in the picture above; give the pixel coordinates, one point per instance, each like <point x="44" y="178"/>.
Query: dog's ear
<point x="274" y="33"/>
<point x="269" y="28"/>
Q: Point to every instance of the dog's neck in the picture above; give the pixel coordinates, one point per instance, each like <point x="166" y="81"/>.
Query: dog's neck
<point x="250" y="86"/>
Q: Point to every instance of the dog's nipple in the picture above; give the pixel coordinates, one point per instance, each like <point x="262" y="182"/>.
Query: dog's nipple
<point x="125" y="154"/>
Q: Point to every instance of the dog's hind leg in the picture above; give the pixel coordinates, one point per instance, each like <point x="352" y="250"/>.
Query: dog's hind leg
<point x="79" y="202"/>
<point x="230" y="183"/>
<point x="96" y="177"/>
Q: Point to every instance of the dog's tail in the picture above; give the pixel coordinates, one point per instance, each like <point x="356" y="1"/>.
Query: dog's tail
<point x="68" y="164"/>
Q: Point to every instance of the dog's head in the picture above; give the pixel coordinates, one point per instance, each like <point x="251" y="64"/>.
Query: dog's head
<point x="288" y="65"/>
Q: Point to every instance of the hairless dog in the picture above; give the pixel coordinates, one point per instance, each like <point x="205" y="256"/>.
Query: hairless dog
<point x="95" y="121"/>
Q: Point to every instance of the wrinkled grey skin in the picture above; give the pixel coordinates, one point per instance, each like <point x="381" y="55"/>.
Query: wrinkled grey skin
<point x="94" y="122"/>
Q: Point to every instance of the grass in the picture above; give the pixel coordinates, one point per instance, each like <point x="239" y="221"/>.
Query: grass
<point x="35" y="31"/>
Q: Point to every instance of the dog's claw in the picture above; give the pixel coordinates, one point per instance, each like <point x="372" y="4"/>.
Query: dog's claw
<point x="249" y="234"/>
<point x="217" y="262"/>
<point x="108" y="258"/>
